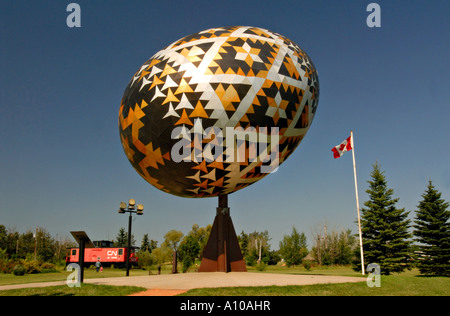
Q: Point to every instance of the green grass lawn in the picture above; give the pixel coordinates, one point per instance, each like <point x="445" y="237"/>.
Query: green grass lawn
<point x="6" y="279"/>
<point x="324" y="270"/>
<point x="84" y="290"/>
<point x="64" y="290"/>
<point x="407" y="283"/>
<point x="394" y="285"/>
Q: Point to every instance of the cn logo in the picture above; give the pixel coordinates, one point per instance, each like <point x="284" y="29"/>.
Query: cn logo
<point x="112" y="253"/>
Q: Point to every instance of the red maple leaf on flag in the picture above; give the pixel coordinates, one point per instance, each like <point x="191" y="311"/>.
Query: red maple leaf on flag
<point x="340" y="149"/>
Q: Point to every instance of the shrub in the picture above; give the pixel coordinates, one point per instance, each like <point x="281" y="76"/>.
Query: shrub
<point x="260" y="266"/>
<point x="32" y="266"/>
<point x="7" y="266"/>
<point x="47" y="267"/>
<point x="307" y="265"/>
<point x="19" y="270"/>
<point x="250" y="260"/>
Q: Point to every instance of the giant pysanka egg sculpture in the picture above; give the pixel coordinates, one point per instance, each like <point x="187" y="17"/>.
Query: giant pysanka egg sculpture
<point x="218" y="110"/>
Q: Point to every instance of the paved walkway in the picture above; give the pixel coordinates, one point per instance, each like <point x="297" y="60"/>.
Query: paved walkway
<point x="187" y="281"/>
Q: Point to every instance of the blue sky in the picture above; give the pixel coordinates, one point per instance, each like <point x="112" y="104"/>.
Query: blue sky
<point x="62" y="166"/>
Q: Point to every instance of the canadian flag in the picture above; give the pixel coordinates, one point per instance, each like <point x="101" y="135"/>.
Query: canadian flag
<point x="340" y="149"/>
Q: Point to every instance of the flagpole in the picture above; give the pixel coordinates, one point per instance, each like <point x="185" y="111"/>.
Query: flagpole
<point x="357" y="204"/>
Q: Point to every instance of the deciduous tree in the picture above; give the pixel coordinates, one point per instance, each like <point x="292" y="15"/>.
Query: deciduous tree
<point x="293" y="248"/>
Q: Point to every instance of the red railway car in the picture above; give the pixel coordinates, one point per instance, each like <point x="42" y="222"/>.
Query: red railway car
<point x="106" y="253"/>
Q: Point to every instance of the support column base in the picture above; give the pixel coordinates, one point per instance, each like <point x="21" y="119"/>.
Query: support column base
<point x="222" y="252"/>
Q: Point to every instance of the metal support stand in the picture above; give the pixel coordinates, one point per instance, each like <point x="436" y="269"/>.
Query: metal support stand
<point x="83" y="242"/>
<point x="222" y="252"/>
<point x="128" y="246"/>
<point x="81" y="259"/>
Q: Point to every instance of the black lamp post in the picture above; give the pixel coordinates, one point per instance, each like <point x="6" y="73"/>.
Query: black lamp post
<point x="130" y="209"/>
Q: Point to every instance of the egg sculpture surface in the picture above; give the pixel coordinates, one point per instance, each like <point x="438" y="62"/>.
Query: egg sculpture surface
<point x="218" y="110"/>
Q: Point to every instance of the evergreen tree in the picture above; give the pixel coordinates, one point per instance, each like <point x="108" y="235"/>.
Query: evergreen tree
<point x="153" y="245"/>
<point x="145" y="245"/>
<point x="432" y="231"/>
<point x="384" y="227"/>
<point x="122" y="239"/>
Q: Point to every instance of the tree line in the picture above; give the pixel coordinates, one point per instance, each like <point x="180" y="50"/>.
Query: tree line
<point x="34" y="251"/>
<point x="34" y="245"/>
<point x="386" y="233"/>
<point x="255" y="248"/>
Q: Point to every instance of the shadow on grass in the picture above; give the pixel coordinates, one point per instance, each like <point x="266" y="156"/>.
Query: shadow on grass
<point x="53" y="294"/>
<point x="84" y="290"/>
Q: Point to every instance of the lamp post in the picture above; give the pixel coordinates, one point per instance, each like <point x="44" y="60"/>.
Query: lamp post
<point x="130" y="209"/>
